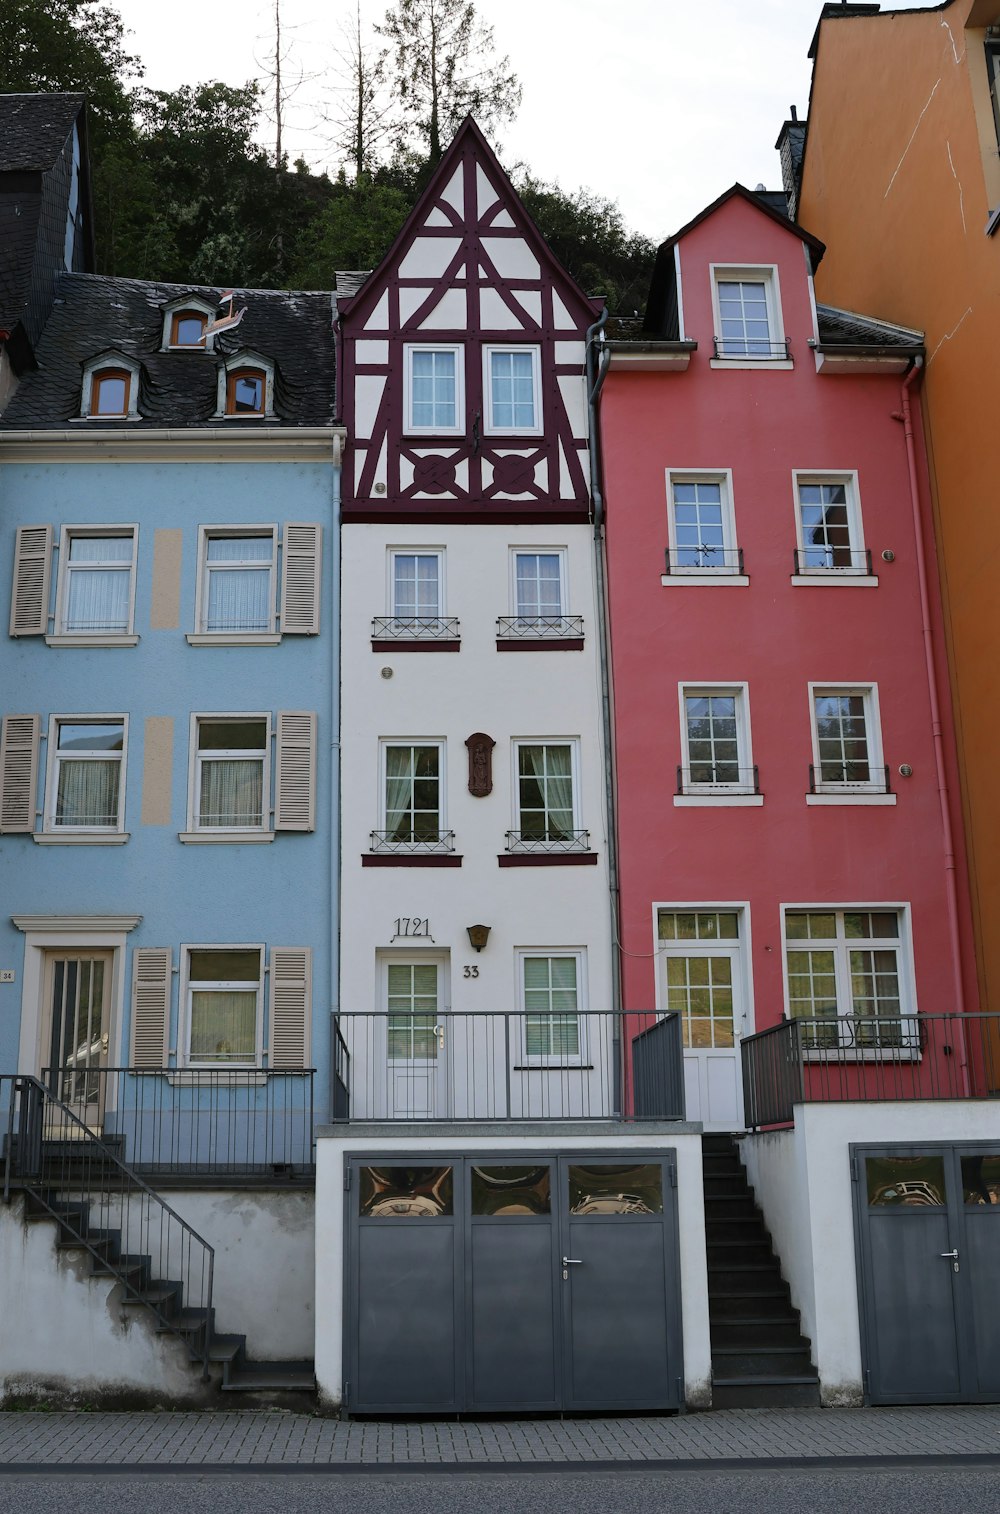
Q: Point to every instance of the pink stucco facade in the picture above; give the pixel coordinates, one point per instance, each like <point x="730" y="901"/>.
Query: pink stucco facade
<point x="769" y="640"/>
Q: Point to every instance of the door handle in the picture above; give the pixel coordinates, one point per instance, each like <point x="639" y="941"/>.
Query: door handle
<point x="572" y="1261"/>
<point x="104" y="1041"/>
<point x="950" y="1256"/>
<point x="439" y="1032"/>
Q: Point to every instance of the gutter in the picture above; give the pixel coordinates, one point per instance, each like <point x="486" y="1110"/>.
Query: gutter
<point x="335" y="838"/>
<point x="951" y="881"/>
<point x="596" y="374"/>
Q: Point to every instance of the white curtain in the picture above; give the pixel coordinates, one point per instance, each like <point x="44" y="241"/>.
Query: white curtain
<point x="87" y="793"/>
<point x="232" y="790"/>
<point x="398" y="793"/>
<point x="97" y="600"/>
<point x="223" y="1025"/>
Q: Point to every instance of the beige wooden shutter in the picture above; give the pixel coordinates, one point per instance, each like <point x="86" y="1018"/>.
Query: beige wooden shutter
<point x="151" y="977"/>
<point x="291" y="1006"/>
<point x="300" y="578"/>
<point x="18" y="772"/>
<point x="29" y="600"/>
<point x="295" y="784"/>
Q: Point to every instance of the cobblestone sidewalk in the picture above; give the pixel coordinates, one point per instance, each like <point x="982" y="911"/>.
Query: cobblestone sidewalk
<point x="278" y="1438"/>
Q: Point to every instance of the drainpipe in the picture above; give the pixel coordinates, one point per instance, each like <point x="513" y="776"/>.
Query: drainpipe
<point x="596" y="374"/>
<point x="951" y="882"/>
<point x="335" y="640"/>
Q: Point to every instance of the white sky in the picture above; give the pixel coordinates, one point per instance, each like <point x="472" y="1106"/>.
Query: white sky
<point x="659" y="104"/>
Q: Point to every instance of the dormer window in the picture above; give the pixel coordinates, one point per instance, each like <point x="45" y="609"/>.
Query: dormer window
<point x="245" y="389"/>
<point x="110" y="388"/>
<point x="187" y="328"/>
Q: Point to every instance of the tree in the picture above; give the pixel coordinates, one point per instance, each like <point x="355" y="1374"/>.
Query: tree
<point x="589" y="237"/>
<point x="354" y="230"/>
<point x="363" y="113"/>
<point x="70" y="45"/>
<point x="444" y="68"/>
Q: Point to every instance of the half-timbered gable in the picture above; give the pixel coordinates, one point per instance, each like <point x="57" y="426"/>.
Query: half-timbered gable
<point x="463" y="359"/>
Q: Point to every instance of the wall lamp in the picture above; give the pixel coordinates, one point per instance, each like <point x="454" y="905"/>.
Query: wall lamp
<point x="478" y="936"/>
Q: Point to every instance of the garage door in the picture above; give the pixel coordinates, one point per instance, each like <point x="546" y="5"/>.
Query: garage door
<point x="495" y="1283"/>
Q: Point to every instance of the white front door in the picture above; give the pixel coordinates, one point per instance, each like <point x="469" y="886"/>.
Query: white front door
<point x="75" y="1031"/>
<point x="702" y="980"/>
<point x="413" y="1001"/>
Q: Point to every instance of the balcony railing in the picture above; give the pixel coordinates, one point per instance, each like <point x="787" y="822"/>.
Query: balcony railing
<point x="539" y="627"/>
<point x="750" y="348"/>
<point x="567" y="841"/>
<point x="835" y="778"/>
<point x="722" y="778"/>
<point x="434" y="842"/>
<point x="867" y="1059"/>
<point x="826" y="560"/>
<point x="415" y="628"/>
<point x="483" y="1065"/>
<point x="703" y="558"/>
<point x="207" y="1121"/>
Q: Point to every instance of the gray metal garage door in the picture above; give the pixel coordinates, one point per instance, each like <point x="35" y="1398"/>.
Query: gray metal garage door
<point x="512" y="1283"/>
<point x="928" y="1231"/>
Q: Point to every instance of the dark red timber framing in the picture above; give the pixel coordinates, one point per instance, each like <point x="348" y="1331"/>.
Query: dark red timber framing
<point x="469" y="270"/>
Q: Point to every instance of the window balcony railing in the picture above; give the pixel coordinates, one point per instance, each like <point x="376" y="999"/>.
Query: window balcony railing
<point x="507" y="1065"/>
<point x="417" y="628"/>
<point x="841" y="778"/>
<point x="703" y="558"/>
<point x="539" y="627"/>
<point x="390" y="843"/>
<point x="743" y="348"/>
<point x="856" y="1058"/>
<point x="832" y="560"/>
<point x="562" y="841"/>
<point x="721" y="778"/>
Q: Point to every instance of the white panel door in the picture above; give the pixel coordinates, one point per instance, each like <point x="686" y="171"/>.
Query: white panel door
<point x="702" y="981"/>
<point x="416" y="1039"/>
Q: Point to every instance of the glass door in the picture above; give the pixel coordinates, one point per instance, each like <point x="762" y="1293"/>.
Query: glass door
<point x="75" y="1046"/>
<point x="701" y="980"/>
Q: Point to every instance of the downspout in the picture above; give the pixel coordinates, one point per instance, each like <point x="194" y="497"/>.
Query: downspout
<point x="950" y="878"/>
<point x="335" y="862"/>
<point x="596" y="374"/>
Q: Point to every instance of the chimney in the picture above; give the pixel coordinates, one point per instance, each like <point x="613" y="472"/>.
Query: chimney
<point x="791" y="145"/>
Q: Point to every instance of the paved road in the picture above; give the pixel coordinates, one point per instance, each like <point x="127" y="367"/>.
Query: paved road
<point x="909" y="1489"/>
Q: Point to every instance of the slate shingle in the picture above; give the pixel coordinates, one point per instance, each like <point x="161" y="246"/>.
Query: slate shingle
<point x="33" y="130"/>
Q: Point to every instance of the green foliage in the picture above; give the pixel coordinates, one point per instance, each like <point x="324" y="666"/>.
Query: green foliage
<point x="589" y="237"/>
<point x="354" y="230"/>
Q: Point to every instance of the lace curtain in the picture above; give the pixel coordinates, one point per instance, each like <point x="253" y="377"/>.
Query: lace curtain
<point x="87" y="793"/>
<point x="232" y="792"/>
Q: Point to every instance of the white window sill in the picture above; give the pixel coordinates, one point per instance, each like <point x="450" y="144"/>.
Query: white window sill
<point x="246" y="415"/>
<point x="501" y="435"/>
<point x="80" y="838"/>
<point x="835" y="580"/>
<point x="107" y="639"/>
<point x="716" y="580"/>
<point x="223" y="837"/>
<point x="233" y="639"/>
<point x="768" y="364"/>
<point x="453" y="433"/>
<point x="200" y="1077"/>
<point x="107" y="420"/>
<point x="718" y="801"/>
<point x="859" y="797"/>
<point x="837" y="1054"/>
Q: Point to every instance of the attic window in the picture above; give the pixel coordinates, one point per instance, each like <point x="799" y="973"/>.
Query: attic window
<point x="187" y="328"/>
<point x="110" y="392"/>
<point x="245" y="391"/>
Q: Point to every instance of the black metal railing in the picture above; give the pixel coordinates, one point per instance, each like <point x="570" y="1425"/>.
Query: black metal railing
<point x="838" y="778"/>
<point x="556" y="841"/>
<point x="752" y="348"/>
<point x="414" y="628"/>
<point x="703" y="558"/>
<point x="102" y="1204"/>
<point x="539" y="627"/>
<point x="208" y="1122"/>
<point x="485" y="1065"/>
<point x="823" y="560"/>
<point x="719" y="778"/>
<point x="429" y="841"/>
<point x="867" y="1059"/>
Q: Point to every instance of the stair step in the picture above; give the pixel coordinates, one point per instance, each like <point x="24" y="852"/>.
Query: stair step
<point x="250" y="1377"/>
<point x="717" y="1140"/>
<point x="735" y="1206"/>
<point x="156" y="1294"/>
<point x="742" y="1252"/>
<point x="767" y="1394"/>
<point x="739" y="1227"/>
<point x="226" y="1348"/>
<point x="758" y="1334"/>
<point x="770" y="1362"/>
<point x="725" y="1304"/>
<point x="748" y="1279"/>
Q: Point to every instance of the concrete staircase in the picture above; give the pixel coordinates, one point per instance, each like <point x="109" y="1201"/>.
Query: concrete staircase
<point x="760" y="1358"/>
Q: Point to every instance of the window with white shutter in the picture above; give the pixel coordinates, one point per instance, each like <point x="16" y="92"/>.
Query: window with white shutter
<point x="18" y="772"/>
<point x="151" y="977"/>
<point x="291" y="1006"/>
<point x="29" y="607"/>
<point x="300" y="579"/>
<point x="295" y="781"/>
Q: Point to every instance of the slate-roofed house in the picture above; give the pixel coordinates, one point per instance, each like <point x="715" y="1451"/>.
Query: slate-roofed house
<point x="169" y="539"/>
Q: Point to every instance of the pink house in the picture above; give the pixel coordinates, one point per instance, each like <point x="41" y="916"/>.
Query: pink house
<point x="789" y="837"/>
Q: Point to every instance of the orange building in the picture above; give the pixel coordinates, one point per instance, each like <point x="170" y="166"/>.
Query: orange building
<point x="899" y="172"/>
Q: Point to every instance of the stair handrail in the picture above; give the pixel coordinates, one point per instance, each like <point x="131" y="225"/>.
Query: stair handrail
<point x="130" y="1180"/>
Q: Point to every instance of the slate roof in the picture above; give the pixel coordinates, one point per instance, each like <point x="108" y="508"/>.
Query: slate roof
<point x="844" y="328"/>
<point x="92" y="314"/>
<point x="33" y="130"/>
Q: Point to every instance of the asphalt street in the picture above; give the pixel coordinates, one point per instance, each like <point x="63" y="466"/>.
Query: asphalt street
<point x="906" y="1489"/>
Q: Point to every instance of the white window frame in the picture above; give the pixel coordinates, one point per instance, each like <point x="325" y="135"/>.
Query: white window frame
<point x="733" y="795"/>
<point x="581" y="1057"/>
<point x="92" y="370"/>
<point x="458" y="429"/>
<point x="857" y="574"/>
<point x="199" y="833"/>
<point x="233" y="364"/>
<point x="526" y="550"/>
<point x="184" y="1036"/>
<point x="202" y="636"/>
<point x="728" y="575"/>
<point x="53" y="834"/>
<point x="766" y="273"/>
<point x="390" y="577"/>
<point x="489" y="428"/>
<point x="199" y="306"/>
<point x="61" y="637"/>
<point x="385" y="742"/>
<point x="840" y="793"/>
<point x="573" y="742"/>
<point x="841" y="947"/>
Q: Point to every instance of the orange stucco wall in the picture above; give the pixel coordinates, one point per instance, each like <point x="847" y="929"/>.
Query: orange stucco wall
<point x="901" y="173"/>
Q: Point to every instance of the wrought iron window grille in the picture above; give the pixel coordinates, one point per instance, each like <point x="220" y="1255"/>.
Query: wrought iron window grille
<point x="566" y="841"/>
<point x="415" y="628"/>
<point x="744" y="348"/>
<point x="822" y="559"/>
<point x="539" y="627"/>
<point x="719" y="778"/>
<point x="702" y="557"/>
<point x="835" y="778"/>
<point x="391" y="842"/>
